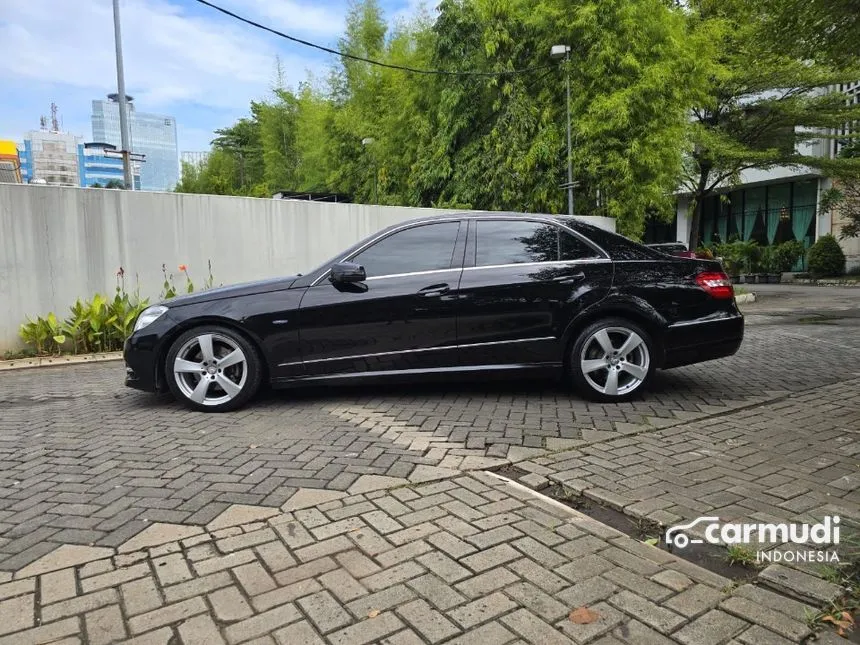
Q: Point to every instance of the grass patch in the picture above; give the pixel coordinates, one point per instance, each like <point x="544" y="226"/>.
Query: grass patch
<point x="744" y="556"/>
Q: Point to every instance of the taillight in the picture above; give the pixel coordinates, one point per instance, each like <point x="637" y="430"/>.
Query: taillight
<point x="717" y="284"/>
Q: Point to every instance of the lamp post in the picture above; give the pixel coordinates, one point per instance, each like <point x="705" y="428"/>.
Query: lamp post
<point x="366" y="142"/>
<point x="128" y="177"/>
<point x="559" y="52"/>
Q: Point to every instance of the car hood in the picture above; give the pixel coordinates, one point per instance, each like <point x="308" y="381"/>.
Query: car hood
<point x="232" y="291"/>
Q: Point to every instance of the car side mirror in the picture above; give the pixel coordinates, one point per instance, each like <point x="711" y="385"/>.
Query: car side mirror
<point x="345" y="272"/>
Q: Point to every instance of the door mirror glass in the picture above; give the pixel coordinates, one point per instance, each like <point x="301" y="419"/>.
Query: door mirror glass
<point x="344" y="272"/>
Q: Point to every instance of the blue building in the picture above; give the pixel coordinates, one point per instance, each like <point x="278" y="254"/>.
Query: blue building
<point x="97" y="168"/>
<point x="62" y="159"/>
<point x="152" y="135"/>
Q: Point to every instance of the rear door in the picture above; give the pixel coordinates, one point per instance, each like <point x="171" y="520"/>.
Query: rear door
<point x="523" y="281"/>
<point x="403" y="317"/>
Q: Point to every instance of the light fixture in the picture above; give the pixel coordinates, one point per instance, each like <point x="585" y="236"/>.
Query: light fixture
<point x="784" y="215"/>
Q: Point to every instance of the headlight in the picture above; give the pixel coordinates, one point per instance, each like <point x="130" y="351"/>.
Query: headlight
<point x="149" y="316"/>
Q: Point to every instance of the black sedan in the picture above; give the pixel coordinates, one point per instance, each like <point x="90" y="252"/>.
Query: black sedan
<point x="444" y="297"/>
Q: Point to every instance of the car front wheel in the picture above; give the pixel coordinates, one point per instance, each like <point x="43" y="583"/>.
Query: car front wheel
<point x="611" y="360"/>
<point x="213" y="369"/>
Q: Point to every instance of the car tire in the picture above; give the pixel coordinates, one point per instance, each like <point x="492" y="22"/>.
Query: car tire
<point x="600" y="371"/>
<point x="212" y="368"/>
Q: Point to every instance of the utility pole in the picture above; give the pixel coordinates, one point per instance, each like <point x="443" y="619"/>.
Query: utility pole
<point x="559" y="51"/>
<point x="123" y="105"/>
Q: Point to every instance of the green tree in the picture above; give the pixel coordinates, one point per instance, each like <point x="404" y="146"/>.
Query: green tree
<point x="115" y="183"/>
<point x="760" y="103"/>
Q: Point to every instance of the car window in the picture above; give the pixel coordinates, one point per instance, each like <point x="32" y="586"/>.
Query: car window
<point x="573" y="248"/>
<point x="515" y="242"/>
<point x="422" y="248"/>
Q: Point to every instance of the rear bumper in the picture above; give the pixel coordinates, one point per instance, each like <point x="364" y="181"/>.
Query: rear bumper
<point x="703" y="340"/>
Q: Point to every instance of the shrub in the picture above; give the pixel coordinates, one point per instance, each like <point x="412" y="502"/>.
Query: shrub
<point x="826" y="257"/>
<point x="787" y="254"/>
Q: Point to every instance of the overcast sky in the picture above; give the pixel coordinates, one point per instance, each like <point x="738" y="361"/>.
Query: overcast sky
<point x="181" y="58"/>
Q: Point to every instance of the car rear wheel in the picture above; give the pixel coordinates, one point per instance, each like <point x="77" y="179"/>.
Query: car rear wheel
<point x="213" y="369"/>
<point x="612" y="360"/>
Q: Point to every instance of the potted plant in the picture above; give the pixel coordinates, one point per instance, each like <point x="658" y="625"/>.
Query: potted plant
<point x="749" y="253"/>
<point x="730" y="257"/>
<point x="770" y="262"/>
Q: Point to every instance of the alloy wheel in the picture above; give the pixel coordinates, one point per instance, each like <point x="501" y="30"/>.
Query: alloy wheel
<point x="210" y="369"/>
<point x="615" y="361"/>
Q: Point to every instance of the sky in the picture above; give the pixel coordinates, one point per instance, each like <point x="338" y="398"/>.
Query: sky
<point x="181" y="58"/>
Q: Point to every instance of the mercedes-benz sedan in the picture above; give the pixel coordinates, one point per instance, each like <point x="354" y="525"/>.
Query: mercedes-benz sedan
<point x="450" y="296"/>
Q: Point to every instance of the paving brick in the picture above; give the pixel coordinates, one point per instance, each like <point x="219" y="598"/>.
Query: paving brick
<point x="406" y="637"/>
<point x="427" y="621"/>
<point x="200" y="630"/>
<point x="254" y="579"/>
<point x="245" y="540"/>
<point x="482" y="609"/>
<point x="324" y="611"/>
<point x="408" y="551"/>
<point x="56" y="586"/>
<point x="380" y="601"/>
<point x="18" y="613"/>
<point x="44" y="633"/>
<point x="490" y="634"/>
<point x="439" y="593"/>
<point x="672" y="580"/>
<point x="635" y="633"/>
<point x="261" y="624"/>
<point x="357" y="564"/>
<point x="286" y="594"/>
<point x="444" y="567"/>
<point x="791" y="608"/>
<point x="198" y="586"/>
<point x="694" y="601"/>
<point x="758" y="635"/>
<point x="140" y="596"/>
<point x="392" y="576"/>
<point x="79" y="605"/>
<point x="300" y="633"/>
<point x="275" y="556"/>
<point x="342" y="585"/>
<point x="607" y="618"/>
<point x="660" y="618"/>
<point x="229" y="604"/>
<point x="367" y="631"/>
<point x="712" y="628"/>
<point x="529" y="596"/>
<point x="166" y="615"/>
<point x="637" y="584"/>
<point x="105" y="625"/>
<point x="205" y="567"/>
<point x="584" y="568"/>
<point x="772" y="620"/>
<point x="490" y="558"/>
<point x="308" y="570"/>
<point x="115" y="578"/>
<point x="533" y="629"/>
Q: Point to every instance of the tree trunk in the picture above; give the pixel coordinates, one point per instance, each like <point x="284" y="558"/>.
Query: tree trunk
<point x="699" y="198"/>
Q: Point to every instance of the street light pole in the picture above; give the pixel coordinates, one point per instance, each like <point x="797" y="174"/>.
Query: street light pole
<point x="559" y="51"/>
<point x="123" y="116"/>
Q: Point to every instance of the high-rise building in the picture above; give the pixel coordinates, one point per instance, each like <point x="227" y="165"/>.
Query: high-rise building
<point x="152" y="135"/>
<point x="51" y="157"/>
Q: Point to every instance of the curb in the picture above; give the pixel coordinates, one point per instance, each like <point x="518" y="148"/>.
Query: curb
<point x="54" y="361"/>
<point x="745" y="297"/>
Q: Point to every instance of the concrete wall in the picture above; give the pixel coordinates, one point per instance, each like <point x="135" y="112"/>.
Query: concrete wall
<point x="59" y="244"/>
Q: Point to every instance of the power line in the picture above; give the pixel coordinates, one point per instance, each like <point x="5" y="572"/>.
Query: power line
<point x="404" y="68"/>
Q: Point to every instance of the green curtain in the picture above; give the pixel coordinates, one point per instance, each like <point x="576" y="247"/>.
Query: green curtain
<point x="772" y="225"/>
<point x="801" y="218"/>
<point x="755" y="201"/>
<point x="736" y="202"/>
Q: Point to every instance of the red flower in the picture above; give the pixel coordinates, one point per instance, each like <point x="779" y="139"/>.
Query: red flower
<point x="183" y="267"/>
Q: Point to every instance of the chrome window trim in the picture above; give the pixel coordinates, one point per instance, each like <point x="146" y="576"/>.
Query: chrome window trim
<point x="415" y="351"/>
<point x="404" y="275"/>
<point x="551" y="263"/>
<point x="383" y="235"/>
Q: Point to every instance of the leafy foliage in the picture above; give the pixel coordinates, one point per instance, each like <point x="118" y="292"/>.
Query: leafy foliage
<point x="826" y="257"/>
<point x="483" y="142"/>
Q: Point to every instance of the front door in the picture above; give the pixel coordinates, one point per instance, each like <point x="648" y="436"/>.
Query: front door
<point x="523" y="282"/>
<point x="403" y="317"/>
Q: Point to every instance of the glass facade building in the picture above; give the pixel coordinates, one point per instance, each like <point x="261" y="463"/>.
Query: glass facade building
<point x="153" y="135"/>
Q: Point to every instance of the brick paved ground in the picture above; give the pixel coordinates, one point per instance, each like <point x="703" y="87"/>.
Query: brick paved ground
<point x="89" y="464"/>
<point x="468" y="560"/>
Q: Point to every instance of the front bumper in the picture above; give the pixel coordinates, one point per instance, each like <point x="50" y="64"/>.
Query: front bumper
<point x="703" y="340"/>
<point x="143" y="351"/>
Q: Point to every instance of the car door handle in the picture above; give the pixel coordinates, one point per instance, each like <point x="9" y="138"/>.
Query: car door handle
<point x="569" y="279"/>
<point x="434" y="290"/>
